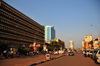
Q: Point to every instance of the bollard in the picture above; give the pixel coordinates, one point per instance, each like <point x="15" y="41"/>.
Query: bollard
<point x="48" y="56"/>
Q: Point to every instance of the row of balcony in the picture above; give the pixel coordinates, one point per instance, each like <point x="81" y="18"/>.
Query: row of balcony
<point x="20" y="26"/>
<point x="20" y="21"/>
<point x="19" y="14"/>
<point x="16" y="33"/>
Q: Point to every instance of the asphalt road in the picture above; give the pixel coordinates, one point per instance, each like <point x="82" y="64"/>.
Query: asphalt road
<point x="77" y="60"/>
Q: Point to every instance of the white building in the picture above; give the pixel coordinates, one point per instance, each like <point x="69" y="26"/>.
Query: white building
<point x="82" y="44"/>
<point x="71" y="44"/>
<point x="49" y="33"/>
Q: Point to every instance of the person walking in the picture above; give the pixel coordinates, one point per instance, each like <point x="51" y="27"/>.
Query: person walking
<point x="5" y="53"/>
<point x="12" y="54"/>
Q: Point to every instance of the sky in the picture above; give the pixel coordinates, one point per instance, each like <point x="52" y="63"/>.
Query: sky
<point x="71" y="19"/>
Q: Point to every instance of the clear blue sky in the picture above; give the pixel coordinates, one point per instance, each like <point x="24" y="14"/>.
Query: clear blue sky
<point x="71" y="19"/>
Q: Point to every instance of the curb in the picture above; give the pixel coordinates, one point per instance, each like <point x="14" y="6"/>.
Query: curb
<point x="45" y="61"/>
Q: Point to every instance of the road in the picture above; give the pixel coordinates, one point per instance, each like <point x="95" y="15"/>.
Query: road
<point x="77" y="60"/>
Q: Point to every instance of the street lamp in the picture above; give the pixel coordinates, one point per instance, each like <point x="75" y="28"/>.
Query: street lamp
<point x="97" y="28"/>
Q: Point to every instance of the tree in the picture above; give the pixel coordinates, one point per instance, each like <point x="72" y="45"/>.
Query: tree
<point x="39" y="49"/>
<point x="4" y="45"/>
<point x="27" y="49"/>
<point x="50" y="48"/>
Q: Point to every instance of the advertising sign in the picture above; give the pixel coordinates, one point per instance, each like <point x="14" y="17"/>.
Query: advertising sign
<point x="44" y="47"/>
<point x="34" y="44"/>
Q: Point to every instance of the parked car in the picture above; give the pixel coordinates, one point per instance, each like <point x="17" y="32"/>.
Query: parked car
<point x="50" y="52"/>
<point x="87" y="53"/>
<point x="56" y="52"/>
<point x="44" y="52"/>
<point x="98" y="57"/>
<point x="71" y="53"/>
<point x="95" y="53"/>
<point x="61" y="52"/>
<point x="90" y="53"/>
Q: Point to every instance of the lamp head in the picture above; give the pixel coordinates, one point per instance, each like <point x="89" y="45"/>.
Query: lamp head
<point x="91" y="25"/>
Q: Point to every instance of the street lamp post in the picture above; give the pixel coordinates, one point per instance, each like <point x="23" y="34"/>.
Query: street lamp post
<point x="97" y="28"/>
<point x="98" y="35"/>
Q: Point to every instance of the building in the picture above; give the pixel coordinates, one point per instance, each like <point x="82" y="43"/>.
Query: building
<point x="96" y="44"/>
<point x="87" y="39"/>
<point x="71" y="44"/>
<point x="62" y="43"/>
<point x="17" y="28"/>
<point x="49" y="33"/>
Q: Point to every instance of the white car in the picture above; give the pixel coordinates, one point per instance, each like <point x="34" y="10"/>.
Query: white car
<point x="87" y="53"/>
<point x="95" y="53"/>
<point x="98" y="56"/>
<point x="90" y="53"/>
<point x="56" y="52"/>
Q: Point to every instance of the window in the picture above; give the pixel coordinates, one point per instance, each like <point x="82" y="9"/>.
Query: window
<point x="99" y="52"/>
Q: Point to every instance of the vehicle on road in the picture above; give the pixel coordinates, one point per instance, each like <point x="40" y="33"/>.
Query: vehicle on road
<point x="71" y="53"/>
<point x="95" y="53"/>
<point x="98" y="57"/>
<point x="90" y="53"/>
<point x="50" y="52"/>
<point x="56" y="52"/>
<point x="87" y="53"/>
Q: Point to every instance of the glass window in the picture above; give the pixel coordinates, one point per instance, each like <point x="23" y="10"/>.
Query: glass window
<point x="99" y="52"/>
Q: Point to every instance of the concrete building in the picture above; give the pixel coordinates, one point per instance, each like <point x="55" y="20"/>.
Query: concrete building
<point x="71" y="44"/>
<point x="49" y="33"/>
<point x="87" y="39"/>
<point x="62" y="43"/>
<point x="17" y="28"/>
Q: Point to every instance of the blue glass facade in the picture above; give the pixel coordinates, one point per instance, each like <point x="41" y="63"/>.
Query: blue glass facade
<point x="48" y="33"/>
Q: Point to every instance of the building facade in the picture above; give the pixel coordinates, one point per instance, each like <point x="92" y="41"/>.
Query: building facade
<point x="71" y="44"/>
<point x="49" y="33"/>
<point x="61" y="43"/>
<point x="17" y="28"/>
<point x="87" y="39"/>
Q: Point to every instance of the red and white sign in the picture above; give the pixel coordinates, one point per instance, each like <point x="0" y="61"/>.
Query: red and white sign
<point x="34" y="44"/>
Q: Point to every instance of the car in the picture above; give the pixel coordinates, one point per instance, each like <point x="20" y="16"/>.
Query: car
<point x="44" y="52"/>
<point x="87" y="53"/>
<point x="61" y="52"/>
<point x="56" y="52"/>
<point x="71" y="53"/>
<point x="90" y="53"/>
<point x="94" y="53"/>
<point x="50" y="52"/>
<point x="98" y="57"/>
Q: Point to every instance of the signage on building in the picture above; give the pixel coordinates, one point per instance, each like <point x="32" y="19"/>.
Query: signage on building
<point x="87" y="39"/>
<point x="44" y="47"/>
<point x="34" y="44"/>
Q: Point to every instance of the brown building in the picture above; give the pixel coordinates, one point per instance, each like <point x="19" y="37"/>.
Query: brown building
<point x="18" y="29"/>
<point x="62" y="43"/>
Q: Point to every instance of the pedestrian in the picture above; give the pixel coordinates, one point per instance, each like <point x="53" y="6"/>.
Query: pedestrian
<point x="5" y="53"/>
<point x="9" y="53"/>
<point x="12" y="54"/>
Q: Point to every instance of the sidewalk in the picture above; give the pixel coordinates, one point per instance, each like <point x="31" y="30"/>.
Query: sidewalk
<point x="32" y="63"/>
<point x="24" y="61"/>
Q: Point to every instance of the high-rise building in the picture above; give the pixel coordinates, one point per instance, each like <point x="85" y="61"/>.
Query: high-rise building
<point x="71" y="44"/>
<point x="49" y="33"/>
<point x="17" y="28"/>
